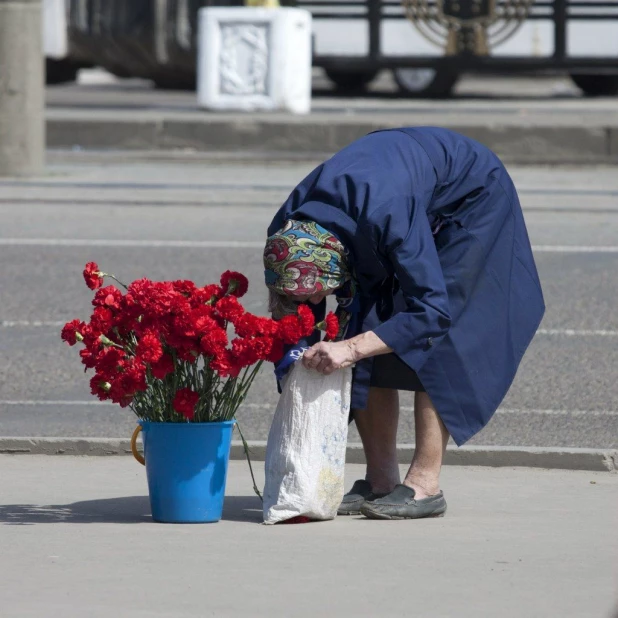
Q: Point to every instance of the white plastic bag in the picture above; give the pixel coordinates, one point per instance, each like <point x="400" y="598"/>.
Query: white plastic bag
<point x="305" y="453"/>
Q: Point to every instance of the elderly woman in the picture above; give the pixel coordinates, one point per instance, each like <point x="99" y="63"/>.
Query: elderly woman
<point x="419" y="234"/>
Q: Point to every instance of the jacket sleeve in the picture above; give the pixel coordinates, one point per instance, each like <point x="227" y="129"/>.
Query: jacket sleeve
<point x="404" y="237"/>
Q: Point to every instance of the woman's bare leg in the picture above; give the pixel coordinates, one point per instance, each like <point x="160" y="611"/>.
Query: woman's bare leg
<point x="431" y="439"/>
<point x="377" y="426"/>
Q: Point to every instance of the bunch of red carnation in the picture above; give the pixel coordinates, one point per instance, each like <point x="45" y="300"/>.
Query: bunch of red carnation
<point x="174" y="351"/>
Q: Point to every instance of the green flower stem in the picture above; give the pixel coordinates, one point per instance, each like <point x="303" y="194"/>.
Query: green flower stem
<point x="102" y="274"/>
<point x="246" y="449"/>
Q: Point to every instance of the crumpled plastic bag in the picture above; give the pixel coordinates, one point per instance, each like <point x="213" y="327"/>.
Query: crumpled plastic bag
<point x="306" y="448"/>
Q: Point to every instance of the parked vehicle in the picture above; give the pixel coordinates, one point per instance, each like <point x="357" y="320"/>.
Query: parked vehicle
<point x="60" y="65"/>
<point x="427" y="44"/>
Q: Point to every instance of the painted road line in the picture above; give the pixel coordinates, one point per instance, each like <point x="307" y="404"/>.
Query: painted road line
<point x="568" y="332"/>
<point x="551" y="332"/>
<point x="31" y="324"/>
<point x="270" y="406"/>
<point x="252" y="187"/>
<point x="574" y="249"/>
<point x="117" y="242"/>
<point x="232" y="244"/>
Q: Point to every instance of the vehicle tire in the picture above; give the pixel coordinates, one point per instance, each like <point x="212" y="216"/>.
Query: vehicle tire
<point x="425" y="82"/>
<point x="118" y="71"/>
<point x="596" y="85"/>
<point x="350" y="81"/>
<point x="165" y="81"/>
<point x="60" y="71"/>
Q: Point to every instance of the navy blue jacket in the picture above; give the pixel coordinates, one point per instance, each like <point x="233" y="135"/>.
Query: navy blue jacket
<point x="441" y="254"/>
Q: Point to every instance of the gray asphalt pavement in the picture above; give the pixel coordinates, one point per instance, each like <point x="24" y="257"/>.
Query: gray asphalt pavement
<point x="77" y="540"/>
<point x="191" y="218"/>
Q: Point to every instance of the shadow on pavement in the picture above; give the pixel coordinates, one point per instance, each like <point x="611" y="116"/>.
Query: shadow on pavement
<point x="124" y="510"/>
<point x="243" y="508"/>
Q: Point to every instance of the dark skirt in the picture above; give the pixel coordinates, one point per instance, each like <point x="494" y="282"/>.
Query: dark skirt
<point x="389" y="371"/>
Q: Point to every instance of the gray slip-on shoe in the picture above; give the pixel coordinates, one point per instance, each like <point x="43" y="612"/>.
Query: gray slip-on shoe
<point x="356" y="497"/>
<point x="401" y="504"/>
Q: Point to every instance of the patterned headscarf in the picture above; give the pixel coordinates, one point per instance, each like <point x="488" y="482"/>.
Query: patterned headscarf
<point x="303" y="259"/>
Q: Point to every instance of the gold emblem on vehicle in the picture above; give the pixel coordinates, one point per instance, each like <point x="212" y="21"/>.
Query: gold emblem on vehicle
<point x="467" y="26"/>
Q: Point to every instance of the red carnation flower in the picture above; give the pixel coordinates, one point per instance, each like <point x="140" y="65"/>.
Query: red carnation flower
<point x="101" y="320"/>
<point x="245" y="351"/>
<point x="247" y="325"/>
<point x="229" y="309"/>
<point x="207" y="295"/>
<point x="202" y="321"/>
<point x="131" y="380"/>
<point x="263" y="347"/>
<point x="268" y="327"/>
<point x="100" y="387"/>
<point x="332" y="326"/>
<point x="149" y="347"/>
<point x="172" y="304"/>
<point x="250" y="325"/>
<point x="91" y="337"/>
<point x="234" y="283"/>
<point x="290" y="329"/>
<point x="92" y="276"/>
<point x="118" y="395"/>
<point x="184" y="287"/>
<point x="307" y="320"/>
<point x="185" y="401"/>
<point x="110" y="361"/>
<point x="89" y="357"/>
<point x="72" y="332"/>
<point x="276" y="351"/>
<point x="225" y="365"/>
<point x="109" y="297"/>
<point x="182" y="326"/>
<point x="213" y="342"/>
<point x="163" y="367"/>
<point x="155" y="299"/>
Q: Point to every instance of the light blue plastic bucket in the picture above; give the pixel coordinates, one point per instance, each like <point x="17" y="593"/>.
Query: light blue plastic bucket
<point x="186" y="467"/>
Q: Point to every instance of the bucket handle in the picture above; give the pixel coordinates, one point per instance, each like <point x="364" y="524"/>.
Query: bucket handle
<point x="134" y="450"/>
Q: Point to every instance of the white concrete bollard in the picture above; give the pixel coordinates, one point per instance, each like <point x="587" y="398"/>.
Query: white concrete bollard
<point x="254" y="59"/>
<point x="55" y="36"/>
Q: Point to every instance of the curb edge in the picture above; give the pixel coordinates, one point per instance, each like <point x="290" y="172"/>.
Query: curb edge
<point x="601" y="460"/>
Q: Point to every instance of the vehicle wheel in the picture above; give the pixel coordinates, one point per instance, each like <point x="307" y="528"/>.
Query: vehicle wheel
<point x="118" y="71"/>
<point x="60" y="71"/>
<point x="596" y="85"/>
<point x="425" y="82"/>
<point x="164" y="81"/>
<point x="350" y="81"/>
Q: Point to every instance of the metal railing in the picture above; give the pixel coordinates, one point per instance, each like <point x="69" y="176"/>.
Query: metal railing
<point x="375" y="12"/>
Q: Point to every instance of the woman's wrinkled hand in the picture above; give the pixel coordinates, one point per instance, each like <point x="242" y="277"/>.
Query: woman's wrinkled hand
<point x="326" y="357"/>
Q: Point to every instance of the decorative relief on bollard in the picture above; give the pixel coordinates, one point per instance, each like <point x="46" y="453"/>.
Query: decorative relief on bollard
<point x="253" y="59"/>
<point x="244" y="59"/>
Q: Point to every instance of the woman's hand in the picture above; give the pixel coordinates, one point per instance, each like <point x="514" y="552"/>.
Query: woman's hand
<point x="326" y="357"/>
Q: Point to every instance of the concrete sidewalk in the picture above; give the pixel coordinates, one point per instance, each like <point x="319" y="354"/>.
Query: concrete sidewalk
<point x="523" y="120"/>
<point x="77" y="540"/>
<point x="523" y="138"/>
